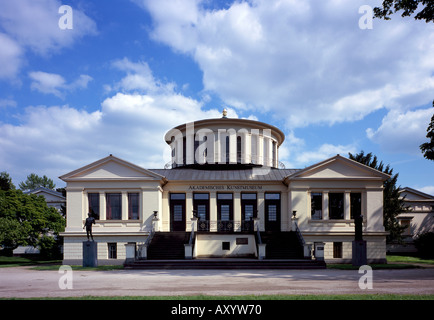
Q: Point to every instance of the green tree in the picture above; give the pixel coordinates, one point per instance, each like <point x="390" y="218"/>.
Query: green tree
<point x="408" y="7"/>
<point x="393" y="205"/>
<point x="26" y="219"/>
<point x="6" y="181"/>
<point x="34" y="181"/>
<point x="427" y="148"/>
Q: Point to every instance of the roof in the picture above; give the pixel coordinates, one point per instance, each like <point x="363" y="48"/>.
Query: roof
<point x="47" y="191"/>
<point x="254" y="174"/>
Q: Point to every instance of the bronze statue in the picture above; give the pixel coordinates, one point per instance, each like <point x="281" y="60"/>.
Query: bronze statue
<point x="88" y="225"/>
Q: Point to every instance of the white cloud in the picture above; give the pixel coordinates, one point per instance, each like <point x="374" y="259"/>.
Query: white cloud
<point x="306" y="61"/>
<point x="11" y="57"/>
<point x="428" y="190"/>
<point x="51" y="83"/>
<point x="402" y="132"/>
<point x="53" y="140"/>
<point x="33" y="25"/>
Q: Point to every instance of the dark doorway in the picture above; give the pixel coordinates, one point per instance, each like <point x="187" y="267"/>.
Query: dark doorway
<point x="272" y="211"/>
<point x="177" y="212"/>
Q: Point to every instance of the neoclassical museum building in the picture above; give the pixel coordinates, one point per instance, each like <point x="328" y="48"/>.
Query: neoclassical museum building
<point x="224" y="195"/>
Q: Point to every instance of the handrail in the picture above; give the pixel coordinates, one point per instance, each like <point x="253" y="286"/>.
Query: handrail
<point x="151" y="235"/>
<point x="191" y="234"/>
<point x="299" y="235"/>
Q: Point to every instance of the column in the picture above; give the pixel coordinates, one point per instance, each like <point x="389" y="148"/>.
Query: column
<point x="261" y="211"/>
<point x="347" y="205"/>
<point x="325" y="205"/>
<point x="237" y="212"/>
<point x="124" y="205"/>
<point x="188" y="210"/>
<point x="102" y="206"/>
<point x="213" y="211"/>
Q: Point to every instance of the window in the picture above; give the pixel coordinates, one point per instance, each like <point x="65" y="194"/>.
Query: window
<point x="336" y="205"/>
<point x="337" y="249"/>
<point x="112" y="250"/>
<point x="226" y="245"/>
<point x="239" y="151"/>
<point x="316" y="205"/>
<point x="272" y="196"/>
<point x="356" y="204"/>
<point x="114" y="206"/>
<point x="133" y="206"/>
<point x="93" y="199"/>
<point x="272" y="212"/>
<point x="178" y="212"/>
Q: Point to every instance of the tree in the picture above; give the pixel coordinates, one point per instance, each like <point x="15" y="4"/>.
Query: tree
<point x="6" y="181"/>
<point x="393" y="205"/>
<point x="427" y="148"/>
<point x="390" y="7"/>
<point x="34" y="181"/>
<point x="26" y="219"/>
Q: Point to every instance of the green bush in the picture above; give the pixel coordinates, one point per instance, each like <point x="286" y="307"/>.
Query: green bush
<point x="425" y="245"/>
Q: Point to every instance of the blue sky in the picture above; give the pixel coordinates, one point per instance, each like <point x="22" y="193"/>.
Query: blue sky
<point x="129" y="70"/>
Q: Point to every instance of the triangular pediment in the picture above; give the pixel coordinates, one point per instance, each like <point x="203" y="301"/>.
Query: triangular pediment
<point x="339" y="167"/>
<point x="111" y="168"/>
<point x="415" y="195"/>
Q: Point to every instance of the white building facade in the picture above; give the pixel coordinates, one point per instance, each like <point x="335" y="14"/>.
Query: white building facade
<point x="224" y="183"/>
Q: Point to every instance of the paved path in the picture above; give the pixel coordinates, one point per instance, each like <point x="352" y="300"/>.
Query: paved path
<point x="24" y="282"/>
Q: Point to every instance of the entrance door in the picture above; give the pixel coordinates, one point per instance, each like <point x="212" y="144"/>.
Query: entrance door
<point x="177" y="212"/>
<point x="248" y="211"/>
<point x="201" y="209"/>
<point x="272" y="211"/>
<point x="225" y="212"/>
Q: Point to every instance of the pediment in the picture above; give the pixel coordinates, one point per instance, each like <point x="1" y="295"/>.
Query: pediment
<point x="415" y="195"/>
<point x="111" y="168"/>
<point x="339" y="167"/>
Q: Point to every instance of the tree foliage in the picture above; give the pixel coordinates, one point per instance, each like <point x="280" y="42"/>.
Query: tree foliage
<point x="427" y="148"/>
<point x="34" y="181"/>
<point x="393" y="205"/>
<point x="408" y="8"/>
<point x="6" y="181"/>
<point x="25" y="219"/>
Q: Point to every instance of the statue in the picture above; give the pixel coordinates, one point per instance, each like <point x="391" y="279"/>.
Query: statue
<point x="88" y="225"/>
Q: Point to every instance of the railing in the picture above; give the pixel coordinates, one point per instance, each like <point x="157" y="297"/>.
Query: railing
<point x="191" y="241"/>
<point x="299" y="235"/>
<point x="225" y="225"/>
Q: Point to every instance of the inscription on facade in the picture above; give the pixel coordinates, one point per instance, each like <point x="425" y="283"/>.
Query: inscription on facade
<point x="225" y="187"/>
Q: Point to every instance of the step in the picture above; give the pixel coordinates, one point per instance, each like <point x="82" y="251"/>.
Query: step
<point x="226" y="264"/>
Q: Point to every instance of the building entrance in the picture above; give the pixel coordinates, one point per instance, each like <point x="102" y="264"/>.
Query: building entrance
<point x="272" y="212"/>
<point x="177" y="212"/>
<point x="225" y="212"/>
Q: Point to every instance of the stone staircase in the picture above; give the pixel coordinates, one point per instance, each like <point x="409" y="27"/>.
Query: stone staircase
<point x="282" y="245"/>
<point x="168" y="245"/>
<point x="226" y="263"/>
<point x="166" y="251"/>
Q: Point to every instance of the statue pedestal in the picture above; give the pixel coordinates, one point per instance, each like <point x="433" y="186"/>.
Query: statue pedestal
<point x="359" y="253"/>
<point x="90" y="254"/>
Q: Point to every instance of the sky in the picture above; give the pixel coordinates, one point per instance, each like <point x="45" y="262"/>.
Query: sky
<point x="80" y="80"/>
